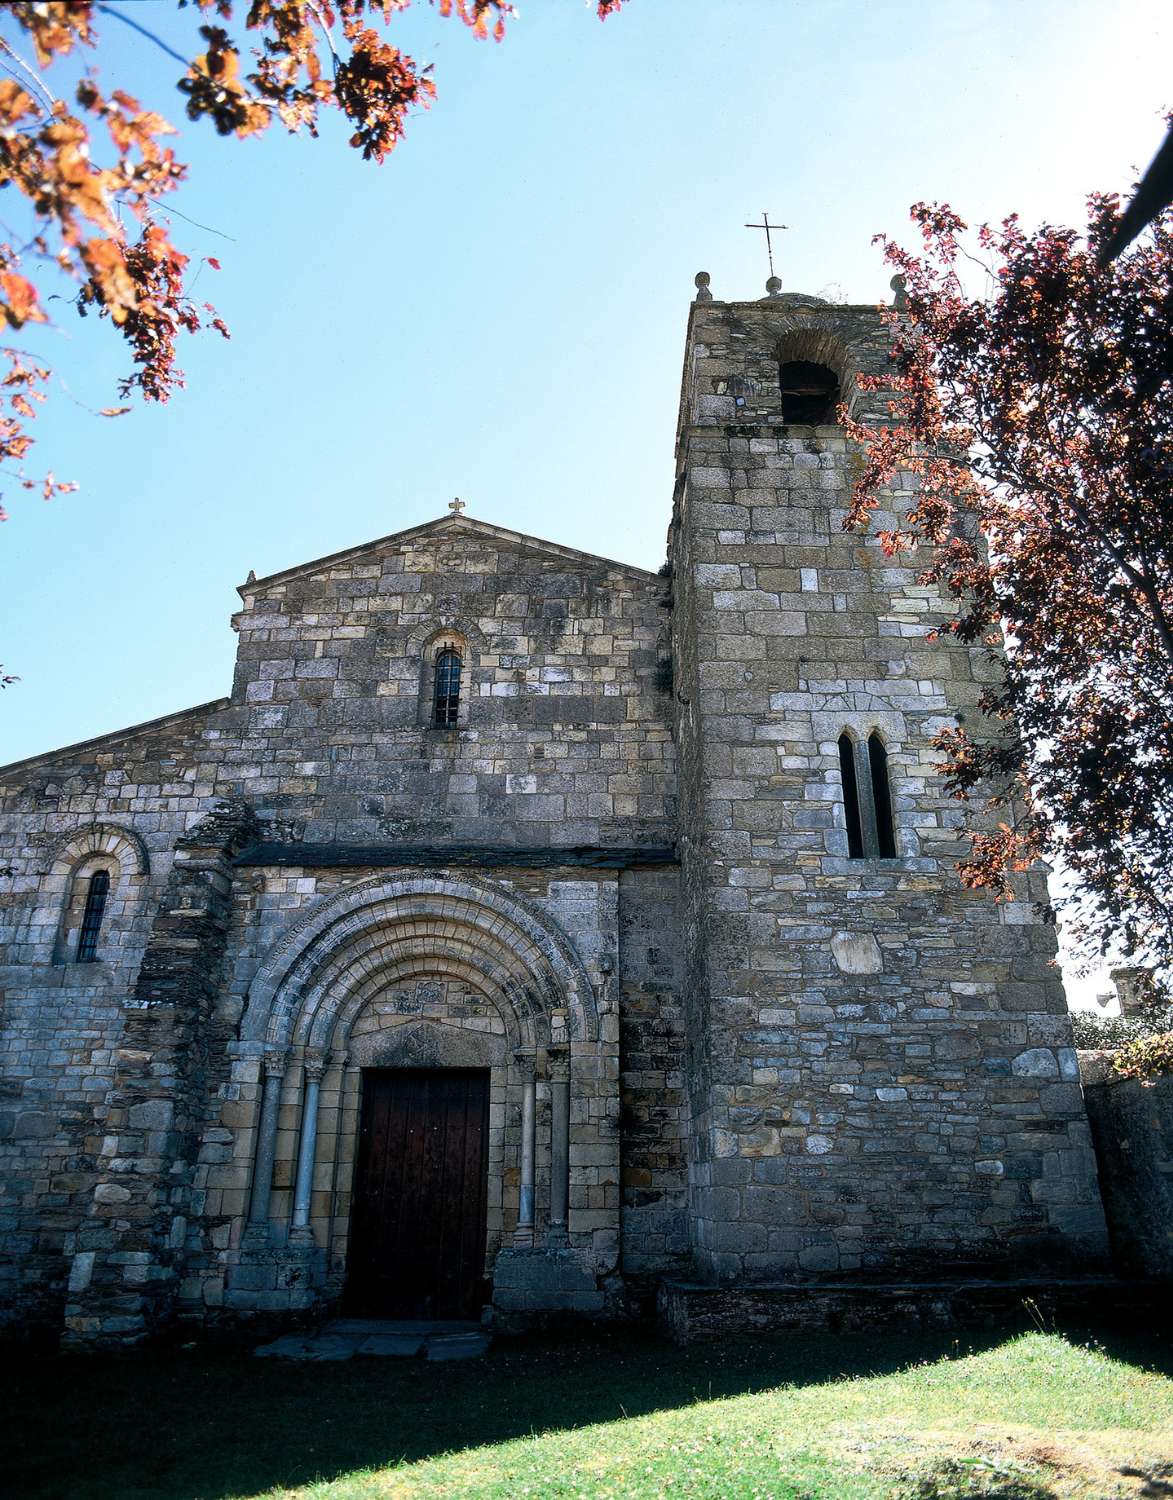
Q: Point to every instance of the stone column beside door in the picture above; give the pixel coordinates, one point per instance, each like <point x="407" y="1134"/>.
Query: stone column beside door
<point x="301" y="1233"/>
<point x="523" y="1235"/>
<point x="558" y="1063"/>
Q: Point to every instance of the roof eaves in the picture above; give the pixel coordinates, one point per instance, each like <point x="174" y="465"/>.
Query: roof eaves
<point x="115" y="735"/>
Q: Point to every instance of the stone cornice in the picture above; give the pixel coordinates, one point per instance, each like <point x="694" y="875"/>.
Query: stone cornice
<point x="464" y="856"/>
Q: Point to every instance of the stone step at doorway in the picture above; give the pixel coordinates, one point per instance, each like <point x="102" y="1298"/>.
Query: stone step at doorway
<point x="343" y="1339"/>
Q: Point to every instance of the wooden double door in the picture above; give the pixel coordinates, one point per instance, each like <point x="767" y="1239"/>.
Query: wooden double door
<point x="418" y="1216"/>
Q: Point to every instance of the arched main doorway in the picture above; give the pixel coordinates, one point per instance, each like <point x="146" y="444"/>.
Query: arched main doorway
<point x="422" y="1039"/>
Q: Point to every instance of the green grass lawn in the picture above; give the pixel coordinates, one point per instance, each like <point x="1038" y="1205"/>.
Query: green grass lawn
<point x="1014" y="1415"/>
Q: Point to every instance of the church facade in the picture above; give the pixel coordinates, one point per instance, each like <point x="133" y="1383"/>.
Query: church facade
<point x="525" y="926"/>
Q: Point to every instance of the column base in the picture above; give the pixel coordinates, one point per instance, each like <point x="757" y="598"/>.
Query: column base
<point x="535" y="1284"/>
<point x="256" y="1238"/>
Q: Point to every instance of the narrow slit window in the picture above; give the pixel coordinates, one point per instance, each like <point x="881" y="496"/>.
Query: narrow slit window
<point x="446" y="702"/>
<point x="881" y="798"/>
<point x="850" y="797"/>
<point x="91" y="921"/>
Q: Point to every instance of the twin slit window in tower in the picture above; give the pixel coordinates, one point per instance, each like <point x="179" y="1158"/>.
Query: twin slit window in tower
<point x="91" y="921"/>
<point x="867" y="798"/>
<point x="446" y="695"/>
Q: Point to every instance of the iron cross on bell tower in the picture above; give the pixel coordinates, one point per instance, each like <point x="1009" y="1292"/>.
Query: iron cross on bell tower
<point x="773" y="285"/>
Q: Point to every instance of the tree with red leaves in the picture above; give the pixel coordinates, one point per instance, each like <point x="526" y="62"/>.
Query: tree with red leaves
<point x="94" y="166"/>
<point x="1038" y="419"/>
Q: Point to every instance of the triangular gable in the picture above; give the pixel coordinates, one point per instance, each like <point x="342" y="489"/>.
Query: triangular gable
<point x="454" y="526"/>
<point x="100" y="742"/>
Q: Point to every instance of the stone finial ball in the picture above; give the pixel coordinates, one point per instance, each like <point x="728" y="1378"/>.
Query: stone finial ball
<point x="774" y="285"/>
<point x="701" y="279"/>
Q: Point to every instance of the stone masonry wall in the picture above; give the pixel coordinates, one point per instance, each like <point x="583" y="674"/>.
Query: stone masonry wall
<point x="1132" y="1127"/>
<point x="61" y="1022"/>
<point x="654" y="1097"/>
<point x="564" y="742"/>
<point x="887" y="1077"/>
<point x="567" y="740"/>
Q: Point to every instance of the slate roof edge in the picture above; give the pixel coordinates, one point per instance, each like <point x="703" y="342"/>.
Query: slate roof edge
<point x="388" y="856"/>
<point x="455" y="524"/>
<point x="215" y="705"/>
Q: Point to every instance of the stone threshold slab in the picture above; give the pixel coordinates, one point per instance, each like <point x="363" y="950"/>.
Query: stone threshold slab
<point x="384" y="1339"/>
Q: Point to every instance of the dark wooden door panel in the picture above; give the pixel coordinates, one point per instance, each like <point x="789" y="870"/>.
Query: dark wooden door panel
<point x="418" y="1219"/>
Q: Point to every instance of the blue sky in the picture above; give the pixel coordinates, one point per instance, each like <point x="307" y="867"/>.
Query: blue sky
<point x="498" y="312"/>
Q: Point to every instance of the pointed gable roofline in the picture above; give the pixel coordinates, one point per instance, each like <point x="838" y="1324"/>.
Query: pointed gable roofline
<point x="445" y="526"/>
<point x="99" y="742"/>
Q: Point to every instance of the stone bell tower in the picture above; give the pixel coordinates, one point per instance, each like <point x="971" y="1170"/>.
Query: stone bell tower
<point x="881" y="1068"/>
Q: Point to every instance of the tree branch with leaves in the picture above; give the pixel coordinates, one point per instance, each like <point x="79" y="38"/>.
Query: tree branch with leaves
<point x="93" y="165"/>
<point x="1038" y="419"/>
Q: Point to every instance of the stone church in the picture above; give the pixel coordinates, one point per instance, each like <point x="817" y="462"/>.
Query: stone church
<point x="526" y="928"/>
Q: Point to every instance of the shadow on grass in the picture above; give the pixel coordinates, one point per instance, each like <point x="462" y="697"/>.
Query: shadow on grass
<point x="205" y="1423"/>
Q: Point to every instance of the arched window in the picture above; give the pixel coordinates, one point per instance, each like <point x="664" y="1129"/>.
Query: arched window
<point x="446" y="694"/>
<point x="867" y="798"/>
<point x="850" y="796"/>
<point x="91" y="921"/>
<point x="810" y="392"/>
<point x="881" y="797"/>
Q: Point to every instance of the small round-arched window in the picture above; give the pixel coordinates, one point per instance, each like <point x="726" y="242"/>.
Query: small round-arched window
<point x="446" y="692"/>
<point x="810" y="392"/>
<point x="97" y="893"/>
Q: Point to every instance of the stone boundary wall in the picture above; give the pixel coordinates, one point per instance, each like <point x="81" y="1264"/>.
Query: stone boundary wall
<point x="1132" y="1131"/>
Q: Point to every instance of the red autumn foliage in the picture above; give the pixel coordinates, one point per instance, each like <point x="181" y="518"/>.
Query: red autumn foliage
<point x="1038" y="418"/>
<point x="94" y="206"/>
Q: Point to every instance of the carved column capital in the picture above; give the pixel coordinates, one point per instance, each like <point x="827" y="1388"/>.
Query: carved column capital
<point x="314" y="1064"/>
<point x="558" y="1064"/>
<point x="527" y="1064"/>
<point x="276" y="1061"/>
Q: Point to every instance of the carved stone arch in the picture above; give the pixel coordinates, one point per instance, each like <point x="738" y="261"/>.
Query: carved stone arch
<point x="102" y="838"/>
<point x="412" y="925"/>
<point x="440" y="622"/>
<point x="801" y="343"/>
<point x="442" y="633"/>
<point x="80" y="854"/>
<point x="432" y="911"/>
<point x="325" y="1021"/>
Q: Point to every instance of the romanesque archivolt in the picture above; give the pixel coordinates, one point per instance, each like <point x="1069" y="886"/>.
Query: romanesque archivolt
<point x="351" y="946"/>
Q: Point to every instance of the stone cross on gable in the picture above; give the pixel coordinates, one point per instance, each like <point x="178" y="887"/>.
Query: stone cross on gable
<point x="456" y="506"/>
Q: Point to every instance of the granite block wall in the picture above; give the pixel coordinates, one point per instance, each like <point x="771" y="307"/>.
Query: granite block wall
<point x="1132" y="1128"/>
<point x="563" y="744"/>
<point x="618" y="877"/>
<point x="880" y="1063"/>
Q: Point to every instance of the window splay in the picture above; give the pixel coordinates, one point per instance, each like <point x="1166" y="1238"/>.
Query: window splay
<point x="446" y="698"/>
<point x="91" y="922"/>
